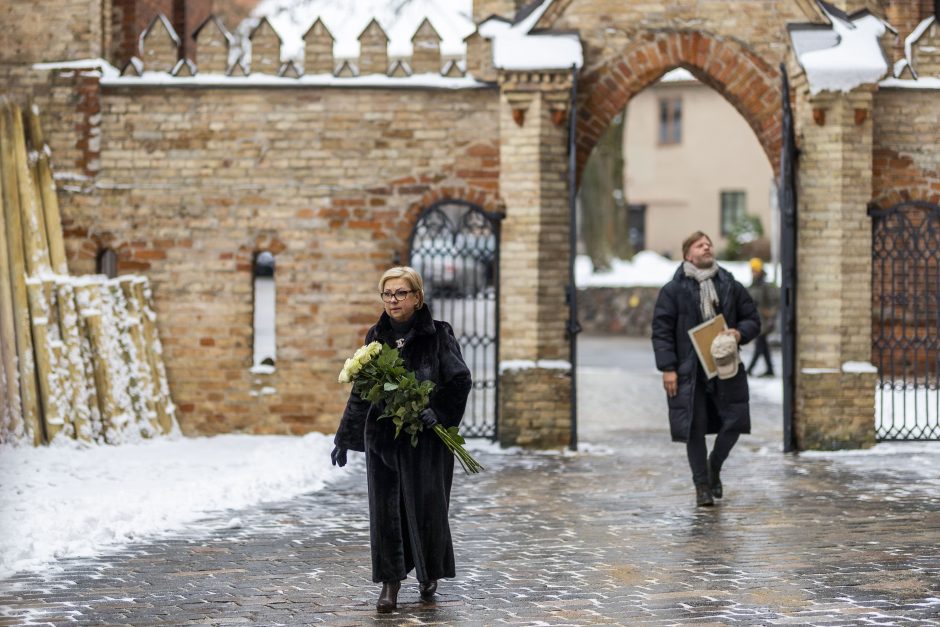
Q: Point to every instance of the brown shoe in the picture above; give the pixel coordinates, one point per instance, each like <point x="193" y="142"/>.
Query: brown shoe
<point x="427" y="589"/>
<point x="388" y="599"/>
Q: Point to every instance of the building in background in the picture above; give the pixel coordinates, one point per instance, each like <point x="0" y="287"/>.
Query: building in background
<point x="691" y="162"/>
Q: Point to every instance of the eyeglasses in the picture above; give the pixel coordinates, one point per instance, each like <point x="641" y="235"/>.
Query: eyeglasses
<point x="396" y="295"/>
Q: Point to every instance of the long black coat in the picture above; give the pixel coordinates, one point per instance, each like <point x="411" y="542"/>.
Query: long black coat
<point x="678" y="309"/>
<point x="409" y="487"/>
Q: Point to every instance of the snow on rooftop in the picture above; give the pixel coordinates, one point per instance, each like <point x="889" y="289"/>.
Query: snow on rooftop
<point x="855" y="59"/>
<point x="452" y="19"/>
<point x="678" y="75"/>
<point x="918" y="82"/>
<point x="915" y="35"/>
<point x="515" y="47"/>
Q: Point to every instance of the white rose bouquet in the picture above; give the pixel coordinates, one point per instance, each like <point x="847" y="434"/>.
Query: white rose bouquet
<point x="378" y="375"/>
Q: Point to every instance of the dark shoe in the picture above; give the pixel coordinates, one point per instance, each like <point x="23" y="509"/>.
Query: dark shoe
<point x="388" y="600"/>
<point x="427" y="589"/>
<point x="714" y="480"/>
<point x="703" y="496"/>
<point x="767" y="375"/>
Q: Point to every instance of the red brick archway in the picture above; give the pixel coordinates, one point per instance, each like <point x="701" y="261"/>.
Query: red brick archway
<point x="748" y="82"/>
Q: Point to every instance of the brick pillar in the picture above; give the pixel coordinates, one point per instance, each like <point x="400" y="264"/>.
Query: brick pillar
<point x="835" y="402"/>
<point x="535" y="376"/>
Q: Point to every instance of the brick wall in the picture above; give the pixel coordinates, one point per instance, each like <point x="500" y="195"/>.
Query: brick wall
<point x="50" y="30"/>
<point x="535" y="408"/>
<point x="906" y="136"/>
<point x="194" y="182"/>
<point x="835" y="404"/>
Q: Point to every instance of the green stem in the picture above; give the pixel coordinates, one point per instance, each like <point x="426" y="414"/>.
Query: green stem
<point x="469" y="465"/>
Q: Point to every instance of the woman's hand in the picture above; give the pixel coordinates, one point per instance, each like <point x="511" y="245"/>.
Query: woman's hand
<point x="338" y="456"/>
<point x="428" y="417"/>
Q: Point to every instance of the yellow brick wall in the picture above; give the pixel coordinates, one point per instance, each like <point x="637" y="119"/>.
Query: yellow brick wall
<point x="193" y="182"/>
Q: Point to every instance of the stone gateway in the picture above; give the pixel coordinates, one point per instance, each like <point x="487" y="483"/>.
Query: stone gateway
<point x="189" y="138"/>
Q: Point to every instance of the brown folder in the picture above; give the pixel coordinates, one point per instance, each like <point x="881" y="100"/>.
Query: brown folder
<point x="702" y="337"/>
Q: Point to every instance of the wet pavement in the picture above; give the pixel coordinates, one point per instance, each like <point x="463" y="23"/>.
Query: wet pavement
<point x="609" y="535"/>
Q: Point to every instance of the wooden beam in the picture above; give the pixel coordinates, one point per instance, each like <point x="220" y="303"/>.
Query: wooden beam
<point x="11" y="411"/>
<point x="49" y="388"/>
<point x="165" y="408"/>
<point x="48" y="196"/>
<point x="33" y="222"/>
<point x="29" y="395"/>
<point x="70" y="330"/>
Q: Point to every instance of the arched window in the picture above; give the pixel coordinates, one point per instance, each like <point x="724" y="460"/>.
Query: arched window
<point x="107" y="263"/>
<point x="264" y="312"/>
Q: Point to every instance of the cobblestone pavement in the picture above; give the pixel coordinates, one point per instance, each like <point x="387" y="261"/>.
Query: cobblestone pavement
<point x="607" y="536"/>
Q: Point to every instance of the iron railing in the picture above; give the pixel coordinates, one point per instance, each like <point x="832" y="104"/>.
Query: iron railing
<point x="455" y="248"/>
<point x="906" y="320"/>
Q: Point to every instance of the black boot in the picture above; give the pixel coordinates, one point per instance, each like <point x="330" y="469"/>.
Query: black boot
<point x="388" y="599"/>
<point x="714" y="479"/>
<point x="427" y="589"/>
<point x="703" y="495"/>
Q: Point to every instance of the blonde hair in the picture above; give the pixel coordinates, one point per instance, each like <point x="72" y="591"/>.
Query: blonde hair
<point x="691" y="239"/>
<point x="410" y="275"/>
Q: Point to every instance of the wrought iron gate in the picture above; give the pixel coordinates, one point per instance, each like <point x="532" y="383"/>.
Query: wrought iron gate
<point x="787" y="196"/>
<point x="455" y="248"/>
<point x="906" y="320"/>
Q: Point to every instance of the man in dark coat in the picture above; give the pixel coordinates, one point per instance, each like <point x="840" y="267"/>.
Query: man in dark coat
<point x="409" y="487"/>
<point x="766" y="297"/>
<point x="699" y="291"/>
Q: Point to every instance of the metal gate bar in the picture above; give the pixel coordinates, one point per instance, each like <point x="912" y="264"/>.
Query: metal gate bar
<point x="906" y="320"/>
<point x="455" y="248"/>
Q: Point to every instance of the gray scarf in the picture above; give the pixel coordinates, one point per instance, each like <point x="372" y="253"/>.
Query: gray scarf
<point x="706" y="285"/>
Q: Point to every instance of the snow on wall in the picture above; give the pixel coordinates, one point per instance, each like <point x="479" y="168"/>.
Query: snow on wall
<point x="452" y="19"/>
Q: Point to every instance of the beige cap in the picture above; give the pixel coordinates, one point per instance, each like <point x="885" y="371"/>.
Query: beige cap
<point x="725" y="353"/>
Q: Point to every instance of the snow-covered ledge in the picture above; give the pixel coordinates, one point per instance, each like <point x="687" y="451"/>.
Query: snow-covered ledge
<point x="111" y="76"/>
<point x="515" y="365"/>
<point x="849" y="367"/>
<point x="859" y="367"/>
<point x="820" y="371"/>
<point x="925" y="82"/>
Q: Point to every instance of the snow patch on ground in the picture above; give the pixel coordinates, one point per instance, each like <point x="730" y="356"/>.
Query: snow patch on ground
<point x="69" y="501"/>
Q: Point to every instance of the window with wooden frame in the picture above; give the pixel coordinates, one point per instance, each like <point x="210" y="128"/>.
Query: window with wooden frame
<point x="670" y="121"/>
<point x="733" y="209"/>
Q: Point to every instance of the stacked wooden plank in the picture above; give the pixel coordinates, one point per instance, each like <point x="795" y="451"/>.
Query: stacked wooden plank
<point x="80" y="357"/>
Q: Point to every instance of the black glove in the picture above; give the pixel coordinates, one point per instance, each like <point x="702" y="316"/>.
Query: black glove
<point x="428" y="417"/>
<point x="338" y="456"/>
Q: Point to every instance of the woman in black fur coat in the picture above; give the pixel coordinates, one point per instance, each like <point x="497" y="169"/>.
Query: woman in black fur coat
<point x="409" y="487"/>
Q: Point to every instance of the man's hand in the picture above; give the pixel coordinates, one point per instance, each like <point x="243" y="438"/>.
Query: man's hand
<point x="735" y="333"/>
<point x="338" y="456"/>
<point x="671" y="383"/>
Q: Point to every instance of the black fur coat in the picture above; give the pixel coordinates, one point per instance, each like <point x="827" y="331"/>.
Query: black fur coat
<point x="409" y="487"/>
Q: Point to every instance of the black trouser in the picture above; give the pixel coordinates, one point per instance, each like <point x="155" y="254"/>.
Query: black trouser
<point x="696" y="447"/>
<point x="761" y="347"/>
